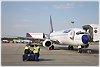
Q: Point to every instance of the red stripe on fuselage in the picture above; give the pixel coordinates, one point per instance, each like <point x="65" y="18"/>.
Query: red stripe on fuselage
<point x="31" y="36"/>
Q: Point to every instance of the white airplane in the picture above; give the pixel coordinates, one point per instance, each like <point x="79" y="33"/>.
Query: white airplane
<point x="72" y="37"/>
<point x="5" y="41"/>
<point x="16" y="41"/>
<point x="26" y="41"/>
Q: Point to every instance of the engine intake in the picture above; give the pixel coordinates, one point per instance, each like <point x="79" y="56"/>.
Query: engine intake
<point x="47" y="43"/>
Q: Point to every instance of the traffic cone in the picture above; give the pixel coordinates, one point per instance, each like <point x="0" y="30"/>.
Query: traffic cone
<point x="48" y="48"/>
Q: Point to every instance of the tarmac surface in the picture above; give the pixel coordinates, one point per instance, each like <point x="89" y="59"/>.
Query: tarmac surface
<point x="11" y="55"/>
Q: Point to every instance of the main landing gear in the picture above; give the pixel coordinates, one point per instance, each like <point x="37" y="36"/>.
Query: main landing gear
<point x="70" y="47"/>
<point x="79" y="48"/>
<point x="52" y="47"/>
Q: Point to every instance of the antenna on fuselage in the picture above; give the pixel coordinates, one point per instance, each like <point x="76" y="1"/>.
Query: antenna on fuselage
<point x="72" y="23"/>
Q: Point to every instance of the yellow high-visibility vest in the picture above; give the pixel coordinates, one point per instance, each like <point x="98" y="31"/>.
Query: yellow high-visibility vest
<point x="36" y="50"/>
<point x="26" y="47"/>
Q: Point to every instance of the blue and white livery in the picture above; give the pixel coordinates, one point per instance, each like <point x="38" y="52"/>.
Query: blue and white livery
<point x="72" y="37"/>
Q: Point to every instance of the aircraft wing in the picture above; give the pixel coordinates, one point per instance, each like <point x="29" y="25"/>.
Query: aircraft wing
<point x="55" y="41"/>
<point x="34" y="38"/>
<point x="24" y="37"/>
<point x="30" y="38"/>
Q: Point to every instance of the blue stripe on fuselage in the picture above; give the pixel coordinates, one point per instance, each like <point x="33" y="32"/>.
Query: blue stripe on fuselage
<point x="66" y="31"/>
<point x="27" y="35"/>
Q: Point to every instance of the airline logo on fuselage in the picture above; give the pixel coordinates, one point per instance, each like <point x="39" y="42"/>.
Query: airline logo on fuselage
<point x="66" y="31"/>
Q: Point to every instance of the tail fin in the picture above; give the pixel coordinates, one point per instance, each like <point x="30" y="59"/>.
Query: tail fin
<point x="51" y="26"/>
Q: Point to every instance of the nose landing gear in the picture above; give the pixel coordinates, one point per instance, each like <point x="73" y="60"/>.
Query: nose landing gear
<point x="79" y="50"/>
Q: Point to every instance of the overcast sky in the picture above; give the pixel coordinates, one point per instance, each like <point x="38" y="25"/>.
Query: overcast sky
<point x="21" y="17"/>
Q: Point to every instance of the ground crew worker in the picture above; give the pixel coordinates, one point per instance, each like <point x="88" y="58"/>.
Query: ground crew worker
<point x="36" y="52"/>
<point x="27" y="49"/>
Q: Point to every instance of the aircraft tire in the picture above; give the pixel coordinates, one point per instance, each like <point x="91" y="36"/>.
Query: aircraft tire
<point x="71" y="47"/>
<point x="68" y="47"/>
<point x="23" y="59"/>
<point x="52" y="46"/>
<point x="79" y="50"/>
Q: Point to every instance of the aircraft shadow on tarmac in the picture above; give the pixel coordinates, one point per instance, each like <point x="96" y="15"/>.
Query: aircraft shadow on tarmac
<point x="93" y="51"/>
<point x="32" y="45"/>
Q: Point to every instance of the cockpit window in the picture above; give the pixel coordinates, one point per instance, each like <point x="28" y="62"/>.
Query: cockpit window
<point x="81" y="33"/>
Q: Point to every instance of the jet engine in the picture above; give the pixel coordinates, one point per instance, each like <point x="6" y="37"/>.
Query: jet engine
<point x="47" y="43"/>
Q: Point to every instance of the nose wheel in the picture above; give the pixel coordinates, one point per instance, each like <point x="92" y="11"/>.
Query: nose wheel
<point x="79" y="50"/>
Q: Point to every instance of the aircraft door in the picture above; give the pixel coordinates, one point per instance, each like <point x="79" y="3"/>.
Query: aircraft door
<point x="72" y="34"/>
<point x="89" y="30"/>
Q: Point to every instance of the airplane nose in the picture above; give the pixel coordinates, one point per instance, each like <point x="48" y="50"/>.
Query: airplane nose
<point x="85" y="39"/>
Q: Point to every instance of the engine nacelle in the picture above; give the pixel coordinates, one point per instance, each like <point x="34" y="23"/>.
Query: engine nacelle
<point x="47" y="43"/>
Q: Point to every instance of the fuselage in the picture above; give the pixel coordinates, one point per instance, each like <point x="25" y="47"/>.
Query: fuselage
<point x="72" y="36"/>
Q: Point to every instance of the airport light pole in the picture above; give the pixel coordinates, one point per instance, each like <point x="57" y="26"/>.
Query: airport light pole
<point x="72" y="23"/>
